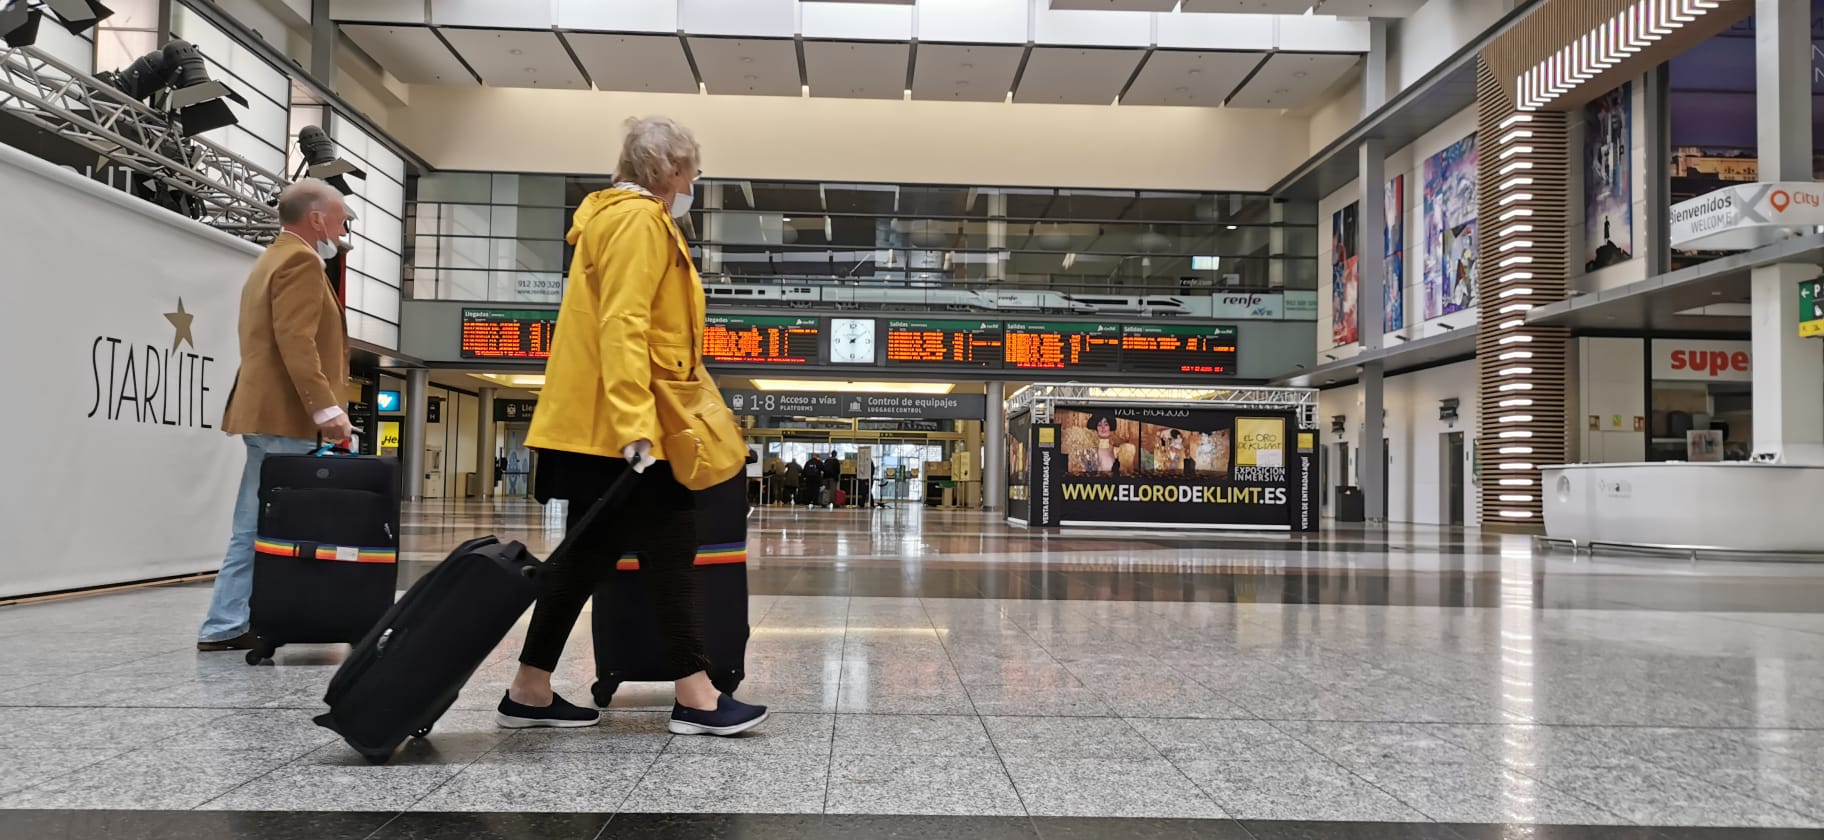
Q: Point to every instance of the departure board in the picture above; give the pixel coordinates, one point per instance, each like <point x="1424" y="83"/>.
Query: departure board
<point x="507" y="334"/>
<point x="944" y="343"/>
<point x="1170" y="348"/>
<point x="761" y="340"/>
<point x="1060" y="346"/>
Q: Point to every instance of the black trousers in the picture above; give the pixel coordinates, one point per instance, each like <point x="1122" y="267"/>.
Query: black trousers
<point x="659" y="523"/>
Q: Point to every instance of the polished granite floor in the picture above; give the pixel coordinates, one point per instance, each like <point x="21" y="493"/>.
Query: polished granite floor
<point x="940" y="674"/>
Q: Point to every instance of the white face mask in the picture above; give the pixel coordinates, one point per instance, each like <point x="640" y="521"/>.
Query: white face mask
<point x="680" y="204"/>
<point x="326" y="251"/>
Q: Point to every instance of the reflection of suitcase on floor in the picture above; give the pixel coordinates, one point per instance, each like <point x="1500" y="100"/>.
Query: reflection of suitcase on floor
<point x="627" y="646"/>
<point x="325" y="563"/>
<point x="408" y="670"/>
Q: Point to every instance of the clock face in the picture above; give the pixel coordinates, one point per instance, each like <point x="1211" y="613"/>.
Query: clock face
<point x="852" y="341"/>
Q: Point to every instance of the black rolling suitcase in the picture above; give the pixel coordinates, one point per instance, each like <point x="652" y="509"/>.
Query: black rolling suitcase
<point x="627" y="648"/>
<point x="408" y="670"/>
<point x="326" y="558"/>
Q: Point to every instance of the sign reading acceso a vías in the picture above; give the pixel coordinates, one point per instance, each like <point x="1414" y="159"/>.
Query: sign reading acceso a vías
<point x="908" y="406"/>
<point x="1746" y="215"/>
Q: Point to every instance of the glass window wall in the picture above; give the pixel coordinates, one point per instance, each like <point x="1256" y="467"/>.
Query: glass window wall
<point x="804" y="241"/>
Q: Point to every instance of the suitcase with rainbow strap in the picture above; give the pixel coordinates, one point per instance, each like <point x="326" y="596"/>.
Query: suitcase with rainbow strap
<point x="326" y="561"/>
<point x="627" y="647"/>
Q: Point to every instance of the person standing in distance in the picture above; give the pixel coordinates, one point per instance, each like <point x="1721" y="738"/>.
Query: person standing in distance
<point x="294" y="365"/>
<point x="632" y="316"/>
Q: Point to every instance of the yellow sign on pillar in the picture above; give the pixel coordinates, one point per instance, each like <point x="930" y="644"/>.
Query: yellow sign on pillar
<point x="389" y="434"/>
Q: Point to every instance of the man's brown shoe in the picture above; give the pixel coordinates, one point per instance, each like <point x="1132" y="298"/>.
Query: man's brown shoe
<point x="245" y="641"/>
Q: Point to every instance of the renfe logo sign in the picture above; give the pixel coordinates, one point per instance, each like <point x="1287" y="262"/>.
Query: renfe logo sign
<point x="1708" y="361"/>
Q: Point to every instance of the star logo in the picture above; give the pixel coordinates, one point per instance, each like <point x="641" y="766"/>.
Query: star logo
<point x="180" y="325"/>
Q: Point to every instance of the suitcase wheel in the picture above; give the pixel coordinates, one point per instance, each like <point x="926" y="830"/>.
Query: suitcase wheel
<point x="422" y="732"/>
<point x="603" y="692"/>
<point x="261" y="654"/>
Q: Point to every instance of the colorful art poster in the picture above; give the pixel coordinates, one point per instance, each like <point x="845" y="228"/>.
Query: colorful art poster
<point x="1345" y="276"/>
<point x="1393" y="292"/>
<point x="1450" y="224"/>
<point x="1608" y="188"/>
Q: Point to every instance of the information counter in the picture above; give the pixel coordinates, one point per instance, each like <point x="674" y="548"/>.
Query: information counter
<point x="1731" y="506"/>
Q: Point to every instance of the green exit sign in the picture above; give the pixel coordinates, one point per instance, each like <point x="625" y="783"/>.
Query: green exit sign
<point x="1811" y="308"/>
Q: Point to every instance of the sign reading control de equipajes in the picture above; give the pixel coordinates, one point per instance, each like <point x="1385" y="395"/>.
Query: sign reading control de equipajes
<point x="909" y="406"/>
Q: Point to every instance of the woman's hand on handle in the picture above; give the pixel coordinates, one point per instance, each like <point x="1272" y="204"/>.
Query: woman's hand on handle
<point x="639" y="455"/>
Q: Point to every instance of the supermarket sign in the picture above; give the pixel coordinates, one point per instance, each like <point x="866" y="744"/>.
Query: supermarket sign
<point x="1746" y="215"/>
<point x="1811" y="309"/>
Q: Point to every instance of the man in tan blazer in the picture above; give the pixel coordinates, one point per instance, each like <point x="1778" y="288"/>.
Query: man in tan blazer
<point x="294" y="365"/>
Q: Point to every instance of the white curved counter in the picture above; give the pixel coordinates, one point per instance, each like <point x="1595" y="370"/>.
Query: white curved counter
<point x="1736" y="506"/>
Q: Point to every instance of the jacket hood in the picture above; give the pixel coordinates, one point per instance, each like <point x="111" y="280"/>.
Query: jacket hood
<point x="595" y="203"/>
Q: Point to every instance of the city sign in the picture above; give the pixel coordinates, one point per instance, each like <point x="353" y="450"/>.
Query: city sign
<point x="1746" y="216"/>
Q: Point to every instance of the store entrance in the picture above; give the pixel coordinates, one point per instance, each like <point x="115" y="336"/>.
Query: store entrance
<point x="1452" y="458"/>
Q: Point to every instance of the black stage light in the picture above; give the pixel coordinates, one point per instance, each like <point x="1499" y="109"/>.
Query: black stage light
<point x="197" y="99"/>
<point x="78" y="16"/>
<point x="19" y="24"/>
<point x="320" y="159"/>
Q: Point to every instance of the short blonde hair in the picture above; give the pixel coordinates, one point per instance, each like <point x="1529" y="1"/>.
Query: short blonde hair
<point x="655" y="148"/>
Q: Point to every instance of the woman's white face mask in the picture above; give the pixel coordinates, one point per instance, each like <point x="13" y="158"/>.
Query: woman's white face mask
<point x="680" y="203"/>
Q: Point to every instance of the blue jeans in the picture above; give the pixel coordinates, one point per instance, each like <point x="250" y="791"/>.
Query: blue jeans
<point x="234" y="585"/>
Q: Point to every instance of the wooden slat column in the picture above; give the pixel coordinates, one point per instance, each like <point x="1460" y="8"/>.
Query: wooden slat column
<point x="1523" y="261"/>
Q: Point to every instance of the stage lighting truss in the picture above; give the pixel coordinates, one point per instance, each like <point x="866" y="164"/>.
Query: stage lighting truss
<point x="221" y="189"/>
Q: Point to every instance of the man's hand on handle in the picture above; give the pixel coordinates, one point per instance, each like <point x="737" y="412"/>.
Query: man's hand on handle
<point x="336" y="429"/>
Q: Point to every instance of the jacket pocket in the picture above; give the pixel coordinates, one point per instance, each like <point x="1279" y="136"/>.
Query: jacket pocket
<point x="673" y="361"/>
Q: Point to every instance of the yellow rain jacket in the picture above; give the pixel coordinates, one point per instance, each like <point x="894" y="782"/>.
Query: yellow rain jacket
<point x="632" y="313"/>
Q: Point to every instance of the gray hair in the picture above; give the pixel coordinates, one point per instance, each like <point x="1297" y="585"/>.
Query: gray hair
<point x="655" y="148"/>
<point x="303" y="197"/>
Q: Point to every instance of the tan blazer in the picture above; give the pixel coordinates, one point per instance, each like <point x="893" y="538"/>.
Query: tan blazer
<point x="294" y="346"/>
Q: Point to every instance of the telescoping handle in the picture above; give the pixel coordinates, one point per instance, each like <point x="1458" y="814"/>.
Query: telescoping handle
<point x="325" y="449"/>
<point x="616" y="496"/>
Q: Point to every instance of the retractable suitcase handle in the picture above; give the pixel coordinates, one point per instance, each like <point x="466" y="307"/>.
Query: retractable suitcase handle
<point x="616" y="495"/>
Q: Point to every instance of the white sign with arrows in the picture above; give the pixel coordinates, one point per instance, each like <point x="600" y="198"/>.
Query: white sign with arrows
<point x="1747" y="215"/>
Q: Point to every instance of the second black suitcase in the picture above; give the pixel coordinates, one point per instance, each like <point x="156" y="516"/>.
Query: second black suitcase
<point x="326" y="558"/>
<point x="412" y="665"/>
<point x="627" y="645"/>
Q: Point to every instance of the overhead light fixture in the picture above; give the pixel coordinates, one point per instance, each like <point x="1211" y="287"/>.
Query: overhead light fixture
<point x="320" y="160"/>
<point x="193" y="96"/>
<point x="826" y="386"/>
<point x="19" y="19"/>
<point x="521" y="381"/>
<point x="1637" y="27"/>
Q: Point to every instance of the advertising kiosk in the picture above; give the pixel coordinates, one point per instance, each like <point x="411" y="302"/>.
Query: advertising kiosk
<point x="1136" y="457"/>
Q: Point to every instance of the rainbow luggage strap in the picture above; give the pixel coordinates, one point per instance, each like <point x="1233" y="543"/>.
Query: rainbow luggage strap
<point x="709" y="555"/>
<point x="324" y="551"/>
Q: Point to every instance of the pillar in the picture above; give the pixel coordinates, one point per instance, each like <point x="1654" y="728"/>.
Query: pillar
<point x="994" y="454"/>
<point x="1523" y="202"/>
<point x="323" y="34"/>
<point x="1373" y="450"/>
<point x="1788" y="370"/>
<point x="484" y="458"/>
<point x="411" y="443"/>
<point x="1371" y="244"/>
<point x="1374" y="67"/>
<point x="972" y="444"/>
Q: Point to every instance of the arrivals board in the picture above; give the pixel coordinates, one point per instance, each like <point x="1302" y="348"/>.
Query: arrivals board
<point x="1031" y="345"/>
<point x="935" y="343"/>
<point x="507" y="334"/>
<point x="1173" y="348"/>
<point x="756" y="339"/>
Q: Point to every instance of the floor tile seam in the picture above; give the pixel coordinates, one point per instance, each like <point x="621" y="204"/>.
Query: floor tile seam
<point x="73" y="771"/>
<point x="1554" y="789"/>
<point x="975" y="714"/>
<point x="829" y="767"/>
<point x="459" y="771"/>
<point x="1819" y="817"/>
<point x="294" y="760"/>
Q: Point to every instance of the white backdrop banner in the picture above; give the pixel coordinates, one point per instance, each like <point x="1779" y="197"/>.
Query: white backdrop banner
<point x="119" y="322"/>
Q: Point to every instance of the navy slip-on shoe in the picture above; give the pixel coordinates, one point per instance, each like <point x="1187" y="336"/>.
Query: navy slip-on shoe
<point x="731" y="717"/>
<point x="561" y="714"/>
